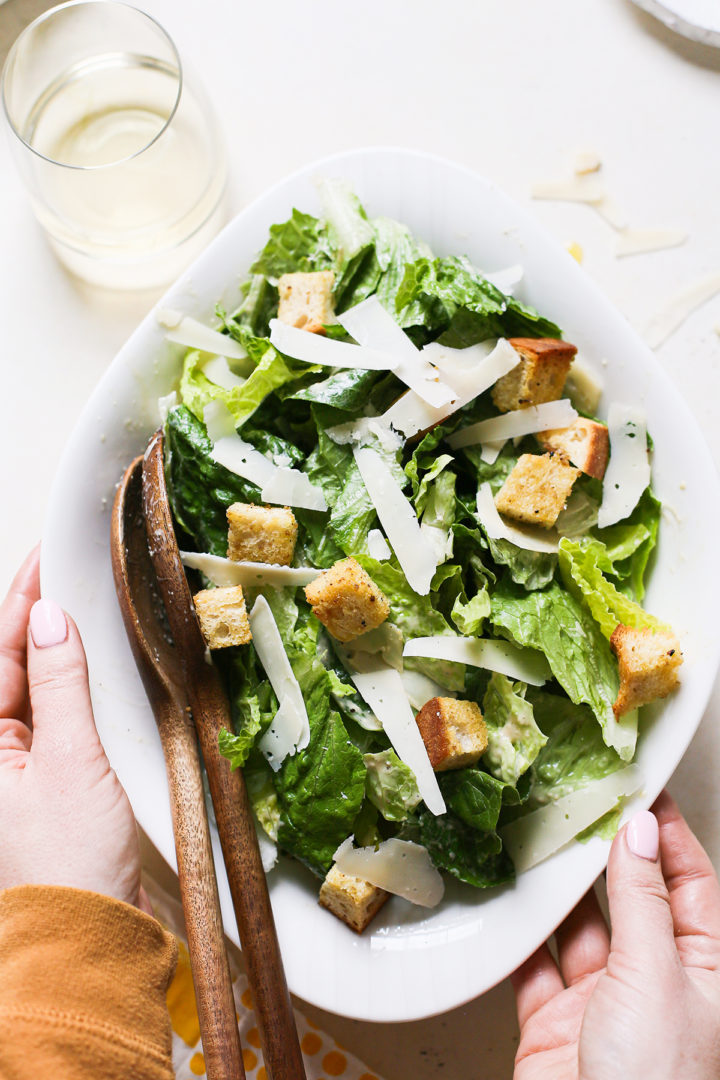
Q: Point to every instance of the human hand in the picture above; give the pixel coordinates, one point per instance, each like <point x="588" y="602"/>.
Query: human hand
<point x="64" y="817"/>
<point x="646" y="1001"/>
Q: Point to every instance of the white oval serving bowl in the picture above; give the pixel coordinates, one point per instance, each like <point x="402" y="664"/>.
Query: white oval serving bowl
<point x="410" y="963"/>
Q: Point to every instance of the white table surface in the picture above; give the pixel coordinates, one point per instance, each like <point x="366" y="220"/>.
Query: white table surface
<point x="513" y="90"/>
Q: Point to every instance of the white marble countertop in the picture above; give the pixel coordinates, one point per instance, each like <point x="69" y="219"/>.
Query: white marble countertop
<point x="512" y="90"/>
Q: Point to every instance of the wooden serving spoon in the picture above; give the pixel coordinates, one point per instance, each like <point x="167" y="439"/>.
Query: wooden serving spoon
<point x="238" y="838"/>
<point x="160" y="666"/>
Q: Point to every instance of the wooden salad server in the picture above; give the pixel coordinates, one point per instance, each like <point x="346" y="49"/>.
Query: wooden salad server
<point x="160" y="666"/>
<point x="238" y="838"/>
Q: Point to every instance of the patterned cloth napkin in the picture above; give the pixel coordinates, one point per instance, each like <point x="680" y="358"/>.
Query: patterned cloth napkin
<point x="324" y="1058"/>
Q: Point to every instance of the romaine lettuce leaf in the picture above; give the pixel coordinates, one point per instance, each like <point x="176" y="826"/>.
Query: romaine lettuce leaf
<point x="514" y="739"/>
<point x="416" y="616"/>
<point x="199" y="489"/>
<point x="574" y="753"/>
<point x="476" y="797"/>
<point x="553" y="621"/>
<point x="298" y="245"/>
<point x="477" y="859"/>
<point x="583" y="577"/>
<point x="470" y="615"/>
<point x="271" y="371"/>
<point x="262" y="794"/>
<point x="320" y="789"/>
<point x="390" y="785"/>
<point x="454" y="297"/>
<point x="638" y="532"/>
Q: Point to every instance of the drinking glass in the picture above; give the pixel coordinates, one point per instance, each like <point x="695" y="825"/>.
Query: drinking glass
<point x="117" y="145"/>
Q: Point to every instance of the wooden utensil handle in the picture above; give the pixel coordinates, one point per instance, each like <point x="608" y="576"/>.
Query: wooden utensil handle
<point x="200" y="900"/>
<point x="246" y="877"/>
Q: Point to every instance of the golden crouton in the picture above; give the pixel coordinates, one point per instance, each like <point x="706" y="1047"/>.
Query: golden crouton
<point x="585" y="444"/>
<point x="453" y="731"/>
<point x="540" y="375"/>
<point x="353" y="900"/>
<point x="223" y="618"/>
<point x="648" y="661"/>
<point x="306" y="300"/>
<point x="261" y="533"/>
<point x="347" y="601"/>
<point x="537" y="488"/>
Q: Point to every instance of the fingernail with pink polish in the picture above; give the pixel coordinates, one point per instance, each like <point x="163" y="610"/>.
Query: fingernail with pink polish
<point x="48" y="624"/>
<point x="643" y="835"/>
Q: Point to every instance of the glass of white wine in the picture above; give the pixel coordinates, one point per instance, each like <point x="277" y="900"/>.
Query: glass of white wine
<point x="118" y="147"/>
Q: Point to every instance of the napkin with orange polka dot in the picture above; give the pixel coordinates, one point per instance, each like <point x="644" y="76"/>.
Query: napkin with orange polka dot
<point x="323" y="1057"/>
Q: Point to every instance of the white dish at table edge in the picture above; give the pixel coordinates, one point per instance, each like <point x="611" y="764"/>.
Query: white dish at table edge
<point x="410" y="963"/>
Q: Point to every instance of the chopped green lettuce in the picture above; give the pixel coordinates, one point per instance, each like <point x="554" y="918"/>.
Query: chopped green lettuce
<point x="455" y="298"/>
<point x="583" y="577"/>
<point x="514" y="739"/>
<point x="390" y="785"/>
<point x="553" y="621"/>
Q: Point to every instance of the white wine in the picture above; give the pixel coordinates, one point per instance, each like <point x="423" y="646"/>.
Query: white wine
<point x="132" y="176"/>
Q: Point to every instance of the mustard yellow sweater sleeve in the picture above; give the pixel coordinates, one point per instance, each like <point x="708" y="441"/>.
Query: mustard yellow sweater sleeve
<point x="83" y="980"/>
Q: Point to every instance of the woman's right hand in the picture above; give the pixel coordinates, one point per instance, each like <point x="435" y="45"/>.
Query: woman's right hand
<point x="643" y="1002"/>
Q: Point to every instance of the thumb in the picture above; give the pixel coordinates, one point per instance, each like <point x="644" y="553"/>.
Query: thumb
<point x="62" y="716"/>
<point x="640" y="915"/>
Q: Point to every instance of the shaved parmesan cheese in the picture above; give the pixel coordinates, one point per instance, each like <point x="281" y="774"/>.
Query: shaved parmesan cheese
<point x="365" y="431"/>
<point x="490" y="452"/>
<point x="217" y="370"/>
<point x="290" y="487"/>
<point x="290" y="729"/>
<point x="628" y="471"/>
<point x="639" y="241"/>
<point x="195" y="335"/>
<point x="397" y="866"/>
<point x="551" y="414"/>
<point x="224" y="572"/>
<point x="398" y="519"/>
<point x="468" y="371"/>
<point x="383" y="691"/>
<point x="589" y="190"/>
<point x="169" y="318"/>
<point x="584" y="386"/>
<point x="528" y="665"/>
<point x="419" y="688"/>
<point x="377" y="545"/>
<point x="587" y="161"/>
<point x="165" y="404"/>
<point x="372" y="326"/>
<point x="219" y="421"/>
<point x="439" y="540"/>
<point x="498" y="529"/>
<point x="318" y="349"/>
<point x="506" y="280"/>
<point x="539" y="834"/>
<point x="278" y="484"/>
<point x="679" y="307"/>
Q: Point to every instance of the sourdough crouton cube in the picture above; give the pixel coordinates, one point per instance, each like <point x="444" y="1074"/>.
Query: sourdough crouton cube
<point x="540" y="375"/>
<point x="261" y="533"/>
<point x="648" y="662"/>
<point x="453" y="731"/>
<point x="347" y="601"/>
<point x="351" y="899"/>
<point x="537" y="489"/>
<point x="306" y="300"/>
<point x="585" y="444"/>
<point x="223" y="618"/>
